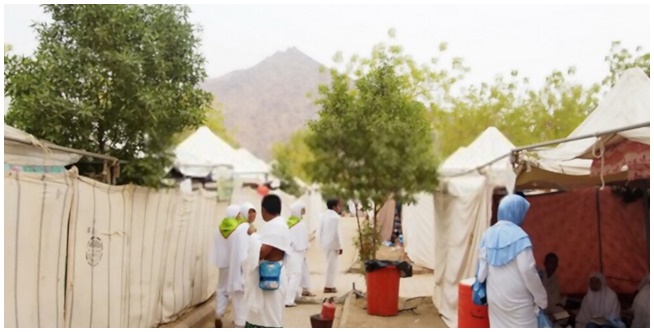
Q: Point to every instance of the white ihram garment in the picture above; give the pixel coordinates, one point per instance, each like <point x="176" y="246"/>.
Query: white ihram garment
<point x="515" y="292"/>
<point x="229" y="255"/>
<point x="266" y="308"/>
<point x="299" y="246"/>
<point x="641" y="305"/>
<point x="330" y="242"/>
<point x="306" y="276"/>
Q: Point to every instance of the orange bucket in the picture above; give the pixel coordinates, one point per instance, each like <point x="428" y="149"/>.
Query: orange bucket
<point x="383" y="291"/>
<point x="470" y="314"/>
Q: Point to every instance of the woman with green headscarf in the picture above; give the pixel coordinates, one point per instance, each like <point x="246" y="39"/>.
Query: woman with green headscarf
<point x="229" y="254"/>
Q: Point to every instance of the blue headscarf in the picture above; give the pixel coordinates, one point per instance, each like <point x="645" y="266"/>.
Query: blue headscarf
<point x="505" y="240"/>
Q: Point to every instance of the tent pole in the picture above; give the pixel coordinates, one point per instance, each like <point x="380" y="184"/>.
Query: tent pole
<point x="570" y="139"/>
<point x="548" y="143"/>
<point x="65" y="149"/>
<point x="599" y="228"/>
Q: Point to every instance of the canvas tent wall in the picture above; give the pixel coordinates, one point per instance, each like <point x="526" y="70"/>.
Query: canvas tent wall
<point x="462" y="213"/>
<point x="590" y="230"/>
<point x="22" y="148"/>
<point x="568" y="165"/>
<point x="136" y="257"/>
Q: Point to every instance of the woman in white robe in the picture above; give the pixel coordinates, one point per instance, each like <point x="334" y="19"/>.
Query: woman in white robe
<point x="249" y="214"/>
<point x="506" y="263"/>
<point x="600" y="302"/>
<point x="299" y="247"/>
<point x="640" y="306"/>
<point x="229" y="254"/>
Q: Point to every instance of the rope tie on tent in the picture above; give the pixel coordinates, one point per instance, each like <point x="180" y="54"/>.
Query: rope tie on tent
<point x="599" y="149"/>
<point x="39" y="144"/>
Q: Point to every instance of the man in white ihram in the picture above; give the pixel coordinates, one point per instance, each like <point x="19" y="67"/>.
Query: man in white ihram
<point x="229" y="254"/>
<point x="330" y="242"/>
<point x="272" y="244"/>
<point x="299" y="247"/>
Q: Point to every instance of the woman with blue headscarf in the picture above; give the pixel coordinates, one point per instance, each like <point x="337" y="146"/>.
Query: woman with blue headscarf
<point x="506" y="263"/>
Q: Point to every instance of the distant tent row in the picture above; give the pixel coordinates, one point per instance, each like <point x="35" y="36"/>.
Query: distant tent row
<point x="199" y="155"/>
<point x="203" y="152"/>
<point x="443" y="229"/>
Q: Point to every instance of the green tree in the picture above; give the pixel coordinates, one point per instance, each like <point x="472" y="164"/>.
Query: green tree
<point x="374" y="139"/>
<point x="215" y="121"/>
<point x="7" y="48"/>
<point x="112" y="79"/>
<point x="621" y="59"/>
<point x="525" y="114"/>
<point x="290" y="158"/>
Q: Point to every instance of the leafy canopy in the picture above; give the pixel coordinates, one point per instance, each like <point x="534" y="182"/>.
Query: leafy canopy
<point x="112" y="79"/>
<point x="373" y="140"/>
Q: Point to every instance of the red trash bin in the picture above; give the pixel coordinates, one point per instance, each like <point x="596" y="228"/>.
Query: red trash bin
<point x="470" y="314"/>
<point x="383" y="291"/>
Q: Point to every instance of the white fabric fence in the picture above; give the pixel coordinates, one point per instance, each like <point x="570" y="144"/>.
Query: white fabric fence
<point x="136" y="257"/>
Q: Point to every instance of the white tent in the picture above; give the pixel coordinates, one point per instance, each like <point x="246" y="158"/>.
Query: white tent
<point x="452" y="221"/>
<point x="568" y="164"/>
<point x="200" y="153"/>
<point x="249" y="164"/>
<point x="22" y="148"/>
<point x="203" y="151"/>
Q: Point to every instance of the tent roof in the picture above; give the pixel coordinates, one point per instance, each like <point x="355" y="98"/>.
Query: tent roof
<point x="203" y="151"/>
<point x="568" y="165"/>
<point x="22" y="148"/>
<point x="200" y="153"/>
<point x="625" y="105"/>
<point x="486" y="148"/>
<point x="249" y="163"/>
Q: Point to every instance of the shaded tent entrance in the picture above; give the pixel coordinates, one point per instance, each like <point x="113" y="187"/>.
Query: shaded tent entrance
<point x="591" y="230"/>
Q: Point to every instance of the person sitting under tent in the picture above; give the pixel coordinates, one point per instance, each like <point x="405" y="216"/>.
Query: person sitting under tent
<point x="600" y="306"/>
<point x="555" y="303"/>
<point x="640" y="307"/>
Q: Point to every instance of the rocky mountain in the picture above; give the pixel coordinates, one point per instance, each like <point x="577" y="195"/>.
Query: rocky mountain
<point x="268" y="102"/>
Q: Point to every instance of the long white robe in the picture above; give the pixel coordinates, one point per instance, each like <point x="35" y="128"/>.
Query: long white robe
<point x="515" y="292"/>
<point x="641" y="308"/>
<point x="306" y="276"/>
<point x="299" y="246"/>
<point x="231" y="255"/>
<point x="266" y="308"/>
<point x="603" y="303"/>
<point x="330" y="242"/>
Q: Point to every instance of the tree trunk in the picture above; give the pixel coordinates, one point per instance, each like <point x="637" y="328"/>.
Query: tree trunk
<point x="375" y="210"/>
<point x="356" y="213"/>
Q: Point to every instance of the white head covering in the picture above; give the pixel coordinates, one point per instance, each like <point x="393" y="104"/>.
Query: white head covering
<point x="233" y="211"/>
<point x="245" y="209"/>
<point x="641" y="305"/>
<point x="296" y="208"/>
<point x="644" y="282"/>
<point x="603" y="303"/>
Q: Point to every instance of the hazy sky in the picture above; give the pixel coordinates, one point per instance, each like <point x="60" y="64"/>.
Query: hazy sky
<point x="492" y="39"/>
